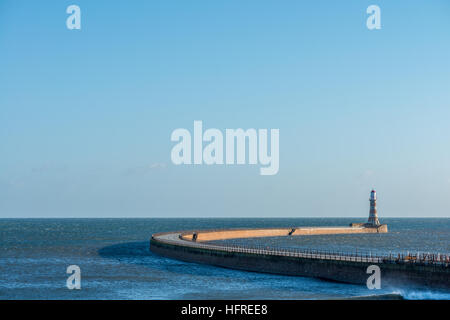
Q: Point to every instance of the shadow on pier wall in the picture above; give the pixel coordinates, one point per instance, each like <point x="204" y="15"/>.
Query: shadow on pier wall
<point x="138" y="253"/>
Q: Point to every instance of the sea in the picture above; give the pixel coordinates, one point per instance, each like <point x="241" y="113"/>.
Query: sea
<point x="116" y="263"/>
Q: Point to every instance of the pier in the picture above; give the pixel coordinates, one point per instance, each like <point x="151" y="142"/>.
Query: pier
<point x="399" y="269"/>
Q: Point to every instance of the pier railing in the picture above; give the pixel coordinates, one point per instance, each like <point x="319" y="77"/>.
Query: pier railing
<point x="437" y="259"/>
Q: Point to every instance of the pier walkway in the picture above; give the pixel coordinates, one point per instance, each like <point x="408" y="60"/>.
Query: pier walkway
<point x="185" y="239"/>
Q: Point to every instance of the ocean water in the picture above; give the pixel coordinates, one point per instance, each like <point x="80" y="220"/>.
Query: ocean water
<point x="116" y="263"/>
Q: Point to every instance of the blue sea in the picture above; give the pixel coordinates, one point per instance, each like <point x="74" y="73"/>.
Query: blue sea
<point x="115" y="261"/>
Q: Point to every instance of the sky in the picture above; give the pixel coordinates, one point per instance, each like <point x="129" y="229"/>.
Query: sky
<point x="86" y="115"/>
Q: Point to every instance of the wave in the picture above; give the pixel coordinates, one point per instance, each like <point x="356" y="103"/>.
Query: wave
<point x="423" y="295"/>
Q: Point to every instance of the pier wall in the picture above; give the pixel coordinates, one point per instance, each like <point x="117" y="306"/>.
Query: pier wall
<point x="341" y="271"/>
<point x="188" y="246"/>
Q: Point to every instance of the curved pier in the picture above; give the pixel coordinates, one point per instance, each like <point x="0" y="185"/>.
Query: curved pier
<point x="425" y="270"/>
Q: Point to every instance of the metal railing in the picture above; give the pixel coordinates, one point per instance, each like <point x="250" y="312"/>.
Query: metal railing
<point x="437" y="259"/>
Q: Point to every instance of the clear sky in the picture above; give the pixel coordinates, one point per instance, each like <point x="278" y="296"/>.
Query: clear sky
<point x="86" y="115"/>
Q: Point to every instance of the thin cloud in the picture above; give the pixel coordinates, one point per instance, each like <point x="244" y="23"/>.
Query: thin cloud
<point x="140" y="170"/>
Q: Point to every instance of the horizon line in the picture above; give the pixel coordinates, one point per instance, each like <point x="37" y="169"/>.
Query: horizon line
<point x="242" y="217"/>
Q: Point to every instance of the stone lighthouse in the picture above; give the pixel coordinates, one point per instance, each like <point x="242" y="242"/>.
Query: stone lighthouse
<point x="373" y="217"/>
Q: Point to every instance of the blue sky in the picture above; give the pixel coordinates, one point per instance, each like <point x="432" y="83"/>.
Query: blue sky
<point x="86" y="115"/>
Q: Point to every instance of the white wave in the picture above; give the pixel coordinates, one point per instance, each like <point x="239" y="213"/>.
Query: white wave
<point x="423" y="295"/>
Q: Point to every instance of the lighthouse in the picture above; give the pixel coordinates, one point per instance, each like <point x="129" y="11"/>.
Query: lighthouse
<point x="373" y="217"/>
